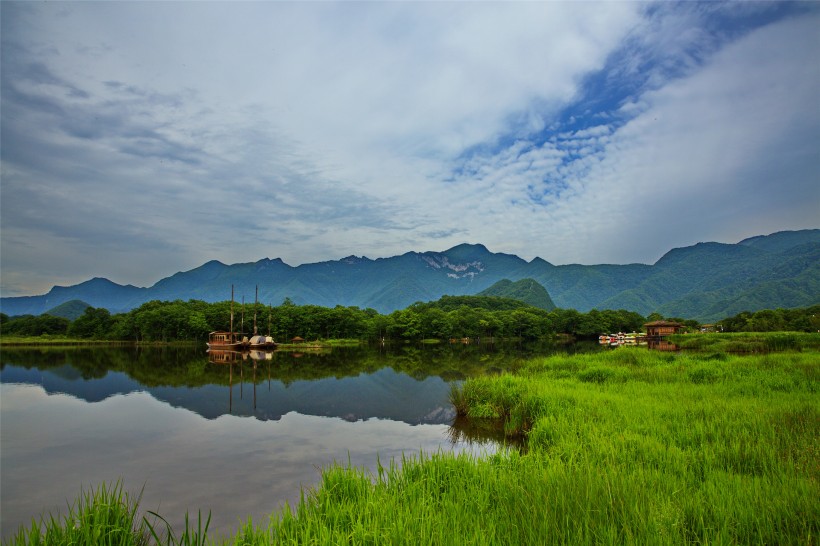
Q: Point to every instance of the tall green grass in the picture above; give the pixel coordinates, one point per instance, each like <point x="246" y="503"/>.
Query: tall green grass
<point x="105" y="516"/>
<point x="724" y="447"/>
<point x="748" y="342"/>
<point x="108" y="516"/>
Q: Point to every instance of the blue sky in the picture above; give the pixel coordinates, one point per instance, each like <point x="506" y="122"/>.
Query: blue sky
<point x="144" y="138"/>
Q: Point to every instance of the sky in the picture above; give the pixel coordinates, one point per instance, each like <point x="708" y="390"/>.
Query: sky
<point x="139" y="139"/>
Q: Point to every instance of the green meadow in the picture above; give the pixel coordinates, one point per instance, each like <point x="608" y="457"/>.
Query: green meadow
<point x="627" y="446"/>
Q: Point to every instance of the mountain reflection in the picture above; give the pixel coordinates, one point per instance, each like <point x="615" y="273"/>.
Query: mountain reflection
<point x="408" y="384"/>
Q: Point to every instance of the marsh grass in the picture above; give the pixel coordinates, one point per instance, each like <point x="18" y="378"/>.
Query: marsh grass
<point x="54" y="340"/>
<point x="748" y="342"/>
<point x="103" y="516"/>
<point x="722" y="447"/>
<point x="108" y="516"/>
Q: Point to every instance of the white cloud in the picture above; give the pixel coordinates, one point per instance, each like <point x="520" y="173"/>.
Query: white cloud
<point x="714" y="156"/>
<point x="167" y="134"/>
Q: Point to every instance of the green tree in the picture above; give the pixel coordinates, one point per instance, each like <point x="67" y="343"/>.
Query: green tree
<point x="94" y="323"/>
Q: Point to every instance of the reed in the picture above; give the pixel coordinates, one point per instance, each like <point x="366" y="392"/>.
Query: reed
<point x="748" y="342"/>
<point x="108" y="516"/>
<point x="105" y="516"/>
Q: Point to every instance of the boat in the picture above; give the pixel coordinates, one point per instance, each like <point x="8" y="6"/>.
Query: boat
<point x="226" y="340"/>
<point x="262" y="342"/>
<point x="258" y="341"/>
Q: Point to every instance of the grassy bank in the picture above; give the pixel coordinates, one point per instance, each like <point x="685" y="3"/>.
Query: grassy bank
<point x="49" y="340"/>
<point x="696" y="448"/>
<point x="63" y="341"/>
<point x="748" y="342"/>
<point x="624" y="447"/>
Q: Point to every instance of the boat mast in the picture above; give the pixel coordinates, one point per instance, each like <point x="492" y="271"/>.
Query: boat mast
<point x="243" y="315"/>
<point x="255" y="301"/>
<point x="232" y="310"/>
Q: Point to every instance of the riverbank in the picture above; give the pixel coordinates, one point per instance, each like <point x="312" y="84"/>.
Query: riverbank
<point x="62" y="341"/>
<point x="747" y="342"/>
<point x="626" y="446"/>
<point x="51" y="340"/>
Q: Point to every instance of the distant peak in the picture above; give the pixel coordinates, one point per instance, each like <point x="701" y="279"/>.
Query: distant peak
<point x="540" y="261"/>
<point x="268" y="261"/>
<point x="99" y="280"/>
<point x="468" y="247"/>
<point x="353" y="259"/>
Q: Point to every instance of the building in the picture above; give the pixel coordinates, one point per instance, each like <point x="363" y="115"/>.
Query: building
<point x="660" y="328"/>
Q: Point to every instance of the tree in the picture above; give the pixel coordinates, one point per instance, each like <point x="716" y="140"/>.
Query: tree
<point x="94" y="323"/>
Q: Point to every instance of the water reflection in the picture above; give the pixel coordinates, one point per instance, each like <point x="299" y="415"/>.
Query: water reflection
<point x="482" y="433"/>
<point x="404" y="383"/>
<point x="238" y="437"/>
<point x="660" y="344"/>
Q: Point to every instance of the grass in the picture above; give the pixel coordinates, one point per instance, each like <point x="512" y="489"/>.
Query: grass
<point x="748" y="342"/>
<point x="623" y="447"/>
<point x="108" y="516"/>
<point x="105" y="516"/>
<point x="723" y="448"/>
<point x="64" y="341"/>
<point x="47" y="339"/>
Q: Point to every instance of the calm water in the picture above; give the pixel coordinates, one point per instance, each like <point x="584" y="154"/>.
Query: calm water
<point x="239" y="439"/>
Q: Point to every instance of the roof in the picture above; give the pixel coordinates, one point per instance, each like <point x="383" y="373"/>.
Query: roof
<point x="663" y="323"/>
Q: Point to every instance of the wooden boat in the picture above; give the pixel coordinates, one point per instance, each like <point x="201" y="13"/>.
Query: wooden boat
<point x="226" y="340"/>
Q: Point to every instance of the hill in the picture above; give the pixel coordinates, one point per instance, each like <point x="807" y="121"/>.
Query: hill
<point x="526" y="290"/>
<point x="491" y="303"/>
<point x="71" y="309"/>
<point x="706" y="281"/>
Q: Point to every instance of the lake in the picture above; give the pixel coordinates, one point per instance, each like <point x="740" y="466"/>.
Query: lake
<point x="238" y="438"/>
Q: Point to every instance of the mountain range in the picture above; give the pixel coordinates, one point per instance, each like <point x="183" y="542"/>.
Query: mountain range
<point x="706" y="281"/>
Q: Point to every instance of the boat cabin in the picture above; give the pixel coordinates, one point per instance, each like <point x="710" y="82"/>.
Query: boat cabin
<point x="226" y="340"/>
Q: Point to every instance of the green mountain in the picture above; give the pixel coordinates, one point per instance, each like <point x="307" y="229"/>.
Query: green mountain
<point x="706" y="281"/>
<point x="526" y="290"/>
<point x="71" y="309"/>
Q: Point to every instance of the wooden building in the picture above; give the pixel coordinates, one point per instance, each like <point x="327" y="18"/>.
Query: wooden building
<point x="660" y="328"/>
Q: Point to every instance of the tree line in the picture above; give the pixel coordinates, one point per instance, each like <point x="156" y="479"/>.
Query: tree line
<point x="448" y="318"/>
<point x="806" y="319"/>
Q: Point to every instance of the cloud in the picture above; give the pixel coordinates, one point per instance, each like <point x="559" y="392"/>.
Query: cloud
<point x="143" y="139"/>
<point x="722" y="152"/>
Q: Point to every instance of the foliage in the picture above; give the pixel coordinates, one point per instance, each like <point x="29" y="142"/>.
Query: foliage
<point x="451" y="317"/>
<point x="774" y="320"/>
<point x="28" y="325"/>
<point x="481" y="301"/>
<point x="526" y="290"/>
<point x="71" y="309"/>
